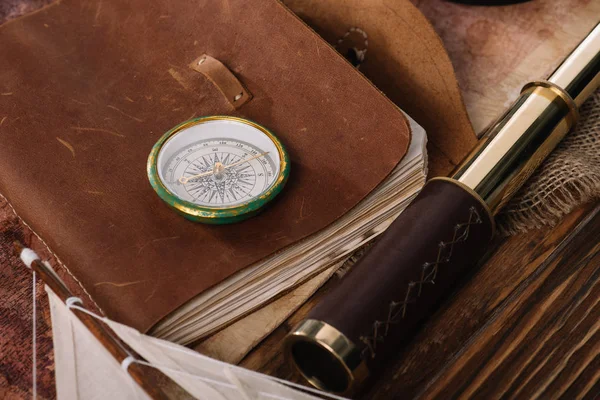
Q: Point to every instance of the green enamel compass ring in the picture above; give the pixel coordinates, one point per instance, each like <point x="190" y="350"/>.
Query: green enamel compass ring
<point x="218" y="169"/>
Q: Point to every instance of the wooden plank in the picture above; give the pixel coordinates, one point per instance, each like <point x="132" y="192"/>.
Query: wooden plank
<point x="541" y="338"/>
<point x="516" y="262"/>
<point x="489" y="336"/>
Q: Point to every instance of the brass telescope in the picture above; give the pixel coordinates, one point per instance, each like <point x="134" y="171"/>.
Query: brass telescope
<point x="440" y="235"/>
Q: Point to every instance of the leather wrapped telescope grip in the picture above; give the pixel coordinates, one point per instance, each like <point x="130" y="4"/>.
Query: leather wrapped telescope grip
<point x="399" y="282"/>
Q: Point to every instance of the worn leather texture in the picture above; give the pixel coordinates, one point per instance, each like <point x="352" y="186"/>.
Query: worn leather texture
<point x="88" y="87"/>
<point x="406" y="59"/>
<point x="233" y="90"/>
<point x="401" y="279"/>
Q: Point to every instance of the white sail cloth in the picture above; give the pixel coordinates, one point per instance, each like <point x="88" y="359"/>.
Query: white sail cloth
<point x="85" y="369"/>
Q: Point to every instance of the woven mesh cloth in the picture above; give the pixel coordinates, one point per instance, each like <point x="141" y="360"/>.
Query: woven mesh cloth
<point x="569" y="177"/>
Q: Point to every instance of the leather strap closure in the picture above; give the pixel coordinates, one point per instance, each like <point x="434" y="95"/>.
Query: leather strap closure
<point x="227" y="83"/>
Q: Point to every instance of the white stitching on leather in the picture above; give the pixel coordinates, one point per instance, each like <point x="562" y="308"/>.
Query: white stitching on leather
<point x="397" y="309"/>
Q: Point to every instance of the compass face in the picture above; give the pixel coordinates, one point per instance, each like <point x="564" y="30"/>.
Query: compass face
<point x="194" y="173"/>
<point x="218" y="163"/>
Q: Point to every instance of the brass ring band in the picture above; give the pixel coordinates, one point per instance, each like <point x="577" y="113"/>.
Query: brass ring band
<point x="314" y="344"/>
<point x="473" y="193"/>
<point x="573" y="115"/>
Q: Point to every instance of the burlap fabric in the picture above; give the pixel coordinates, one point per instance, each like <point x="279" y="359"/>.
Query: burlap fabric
<point x="569" y="177"/>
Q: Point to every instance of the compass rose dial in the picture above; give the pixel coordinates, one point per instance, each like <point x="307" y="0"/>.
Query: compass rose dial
<point x="220" y="172"/>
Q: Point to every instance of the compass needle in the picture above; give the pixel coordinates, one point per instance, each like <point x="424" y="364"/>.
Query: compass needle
<point x="218" y="166"/>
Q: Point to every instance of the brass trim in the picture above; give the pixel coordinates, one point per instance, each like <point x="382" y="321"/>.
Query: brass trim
<point x="562" y="93"/>
<point x="517" y="143"/>
<point x="327" y="337"/>
<point x="473" y="193"/>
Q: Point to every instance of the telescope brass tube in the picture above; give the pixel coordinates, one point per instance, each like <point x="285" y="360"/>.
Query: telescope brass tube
<point x="579" y="74"/>
<point x="443" y="232"/>
<point x="515" y="145"/>
<point x="520" y="140"/>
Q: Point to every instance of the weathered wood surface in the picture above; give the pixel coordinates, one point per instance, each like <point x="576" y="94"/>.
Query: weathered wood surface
<point x="496" y="50"/>
<point x="536" y="326"/>
<point x="525" y="325"/>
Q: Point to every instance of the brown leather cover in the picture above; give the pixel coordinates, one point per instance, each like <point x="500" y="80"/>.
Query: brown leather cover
<point x="89" y="86"/>
<point x="405" y="59"/>
<point x="398" y="283"/>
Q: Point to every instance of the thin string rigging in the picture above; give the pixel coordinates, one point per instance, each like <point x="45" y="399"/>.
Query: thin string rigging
<point x="34" y="340"/>
<point x="28" y="256"/>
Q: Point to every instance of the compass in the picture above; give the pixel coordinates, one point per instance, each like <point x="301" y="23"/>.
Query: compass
<point x="218" y="169"/>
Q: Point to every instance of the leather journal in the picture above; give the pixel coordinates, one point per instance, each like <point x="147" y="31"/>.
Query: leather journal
<point x="87" y="89"/>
